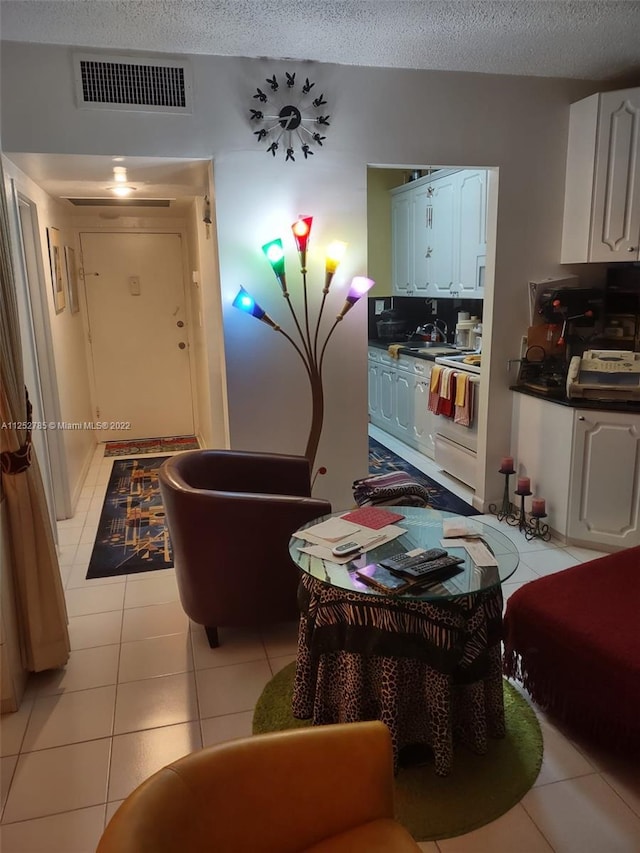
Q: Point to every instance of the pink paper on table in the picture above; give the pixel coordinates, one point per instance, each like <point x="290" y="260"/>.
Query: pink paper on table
<point x="372" y="516"/>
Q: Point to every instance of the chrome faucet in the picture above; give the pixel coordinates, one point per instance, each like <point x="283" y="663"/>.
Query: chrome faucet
<point x="443" y="331"/>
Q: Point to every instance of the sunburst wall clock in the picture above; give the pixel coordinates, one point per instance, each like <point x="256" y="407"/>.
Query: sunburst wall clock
<point x="289" y="121"/>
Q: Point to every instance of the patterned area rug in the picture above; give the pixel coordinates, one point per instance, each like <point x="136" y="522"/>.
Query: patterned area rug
<point x="132" y="535"/>
<point x="151" y="445"/>
<point x="383" y="461"/>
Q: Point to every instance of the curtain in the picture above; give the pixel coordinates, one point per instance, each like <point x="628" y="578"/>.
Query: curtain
<point x="40" y="605"/>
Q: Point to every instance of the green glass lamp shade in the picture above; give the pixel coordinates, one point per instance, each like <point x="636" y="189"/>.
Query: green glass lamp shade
<point x="274" y="252"/>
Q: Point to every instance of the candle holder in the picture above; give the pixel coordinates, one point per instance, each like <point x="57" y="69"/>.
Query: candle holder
<point x="536" y="529"/>
<point x="521" y="518"/>
<point x="507" y="509"/>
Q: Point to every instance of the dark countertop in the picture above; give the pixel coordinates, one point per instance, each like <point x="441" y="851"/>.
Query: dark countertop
<point x="629" y="406"/>
<point x="414" y="349"/>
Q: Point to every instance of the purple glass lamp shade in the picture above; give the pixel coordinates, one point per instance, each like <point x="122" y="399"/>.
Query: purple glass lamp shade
<point x="359" y="286"/>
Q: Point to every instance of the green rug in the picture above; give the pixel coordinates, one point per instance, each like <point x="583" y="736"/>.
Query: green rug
<point x="478" y="790"/>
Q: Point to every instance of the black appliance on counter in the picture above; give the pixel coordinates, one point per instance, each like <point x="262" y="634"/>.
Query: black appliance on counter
<point x="391" y="325"/>
<point x="578" y="311"/>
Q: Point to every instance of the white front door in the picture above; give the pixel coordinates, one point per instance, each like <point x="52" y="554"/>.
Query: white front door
<point x="138" y="332"/>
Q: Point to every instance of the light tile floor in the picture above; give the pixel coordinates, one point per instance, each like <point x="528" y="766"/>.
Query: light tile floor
<point x="142" y="688"/>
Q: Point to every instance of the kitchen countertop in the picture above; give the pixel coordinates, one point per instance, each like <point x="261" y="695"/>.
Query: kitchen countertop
<point x="414" y="349"/>
<point x="580" y="402"/>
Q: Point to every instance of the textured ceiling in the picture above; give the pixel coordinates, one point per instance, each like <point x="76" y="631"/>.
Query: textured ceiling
<point x="581" y="39"/>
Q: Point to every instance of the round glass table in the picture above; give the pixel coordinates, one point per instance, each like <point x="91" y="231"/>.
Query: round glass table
<point x="423" y="530"/>
<point x="428" y="662"/>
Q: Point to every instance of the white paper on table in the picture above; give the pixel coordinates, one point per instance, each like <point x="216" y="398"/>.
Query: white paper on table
<point x="366" y="538"/>
<point x="455" y="527"/>
<point x="324" y="553"/>
<point x="331" y="530"/>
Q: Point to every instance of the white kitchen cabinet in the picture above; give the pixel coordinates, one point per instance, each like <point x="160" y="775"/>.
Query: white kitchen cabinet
<point x="471" y="233"/>
<point x="404" y="404"/>
<point x="602" y="189"/>
<point x="398" y="398"/>
<point x="439" y="236"/>
<point x="442" y="237"/>
<point x="373" y="366"/>
<point x="401" y="244"/>
<point x="604" y="494"/>
<point x="586" y="464"/>
<point x="423" y="419"/>
<point x="421" y="212"/>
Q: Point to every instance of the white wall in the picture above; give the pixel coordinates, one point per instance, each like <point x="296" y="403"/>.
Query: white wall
<point x="67" y="337"/>
<point x="378" y="116"/>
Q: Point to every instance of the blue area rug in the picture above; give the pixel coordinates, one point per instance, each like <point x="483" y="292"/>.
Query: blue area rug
<point x="383" y="461"/>
<point x="132" y="535"/>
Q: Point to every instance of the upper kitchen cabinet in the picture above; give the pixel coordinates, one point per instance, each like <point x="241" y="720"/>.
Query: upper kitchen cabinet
<point x="602" y="194"/>
<point x="402" y="244"/>
<point x="439" y="235"/>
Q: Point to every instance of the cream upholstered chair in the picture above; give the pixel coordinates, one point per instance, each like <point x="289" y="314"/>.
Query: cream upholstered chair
<point x="323" y="789"/>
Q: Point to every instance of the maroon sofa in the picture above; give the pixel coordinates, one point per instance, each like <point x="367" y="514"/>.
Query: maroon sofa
<point x="573" y="640"/>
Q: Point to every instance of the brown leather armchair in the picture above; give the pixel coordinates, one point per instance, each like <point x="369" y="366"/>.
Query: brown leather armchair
<point x="230" y="516"/>
<point x="324" y="789"/>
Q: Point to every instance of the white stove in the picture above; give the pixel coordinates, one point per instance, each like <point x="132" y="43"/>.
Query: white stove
<point x="458" y="362"/>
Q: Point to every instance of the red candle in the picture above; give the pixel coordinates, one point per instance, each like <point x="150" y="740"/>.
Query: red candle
<point x="538" y="506"/>
<point x="506" y="466"/>
<point x="524" y="484"/>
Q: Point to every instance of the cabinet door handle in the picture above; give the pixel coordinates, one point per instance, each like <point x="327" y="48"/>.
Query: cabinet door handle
<point x="580" y="417"/>
<point x="632" y="249"/>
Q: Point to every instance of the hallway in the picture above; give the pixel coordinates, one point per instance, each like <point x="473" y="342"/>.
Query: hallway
<point x="142" y="688"/>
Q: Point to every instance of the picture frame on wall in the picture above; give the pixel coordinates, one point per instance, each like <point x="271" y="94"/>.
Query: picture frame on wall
<point x="72" y="279"/>
<point x="55" y="261"/>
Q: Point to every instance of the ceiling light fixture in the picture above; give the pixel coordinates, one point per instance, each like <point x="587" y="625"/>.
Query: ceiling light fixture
<point x="120" y="174"/>
<point x="122" y="191"/>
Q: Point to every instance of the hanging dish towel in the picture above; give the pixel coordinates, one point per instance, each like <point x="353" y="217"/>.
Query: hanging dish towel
<point x="434" y="388"/>
<point x="447" y="393"/>
<point x="464" y="400"/>
<point x="394" y="350"/>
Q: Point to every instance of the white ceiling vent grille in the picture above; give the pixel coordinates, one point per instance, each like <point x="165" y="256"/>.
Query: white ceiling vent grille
<point x="122" y="83"/>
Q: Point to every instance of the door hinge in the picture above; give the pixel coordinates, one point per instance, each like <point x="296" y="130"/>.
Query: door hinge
<point x="97" y="411"/>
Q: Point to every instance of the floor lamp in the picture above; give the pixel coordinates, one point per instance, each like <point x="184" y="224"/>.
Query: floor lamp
<point x="310" y="349"/>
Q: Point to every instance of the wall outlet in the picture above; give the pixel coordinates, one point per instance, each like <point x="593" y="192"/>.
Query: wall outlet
<point x="379" y="306"/>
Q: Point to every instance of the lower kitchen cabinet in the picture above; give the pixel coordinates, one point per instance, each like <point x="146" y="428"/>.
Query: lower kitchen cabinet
<point x="605" y="478"/>
<point x="586" y="463"/>
<point x="398" y="399"/>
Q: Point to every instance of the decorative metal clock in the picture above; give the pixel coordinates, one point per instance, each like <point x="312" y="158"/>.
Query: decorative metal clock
<point x="292" y="119"/>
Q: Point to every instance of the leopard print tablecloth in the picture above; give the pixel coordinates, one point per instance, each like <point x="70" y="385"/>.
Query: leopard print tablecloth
<point x="431" y="671"/>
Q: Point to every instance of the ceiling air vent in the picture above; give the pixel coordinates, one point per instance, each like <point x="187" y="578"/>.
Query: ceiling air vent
<point x="120" y="202"/>
<point x="124" y="83"/>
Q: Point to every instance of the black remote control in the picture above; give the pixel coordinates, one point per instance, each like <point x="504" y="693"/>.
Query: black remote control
<point x="434" y="568"/>
<point x="400" y="562"/>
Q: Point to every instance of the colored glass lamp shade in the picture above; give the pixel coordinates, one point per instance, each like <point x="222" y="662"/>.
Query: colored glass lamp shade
<point x="301" y="229"/>
<point x="359" y="286"/>
<point x="245" y="302"/>
<point x="335" y="253"/>
<point x="275" y="255"/>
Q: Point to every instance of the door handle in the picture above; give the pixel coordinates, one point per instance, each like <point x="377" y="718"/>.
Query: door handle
<point x="181" y="345"/>
<point x="180" y="324"/>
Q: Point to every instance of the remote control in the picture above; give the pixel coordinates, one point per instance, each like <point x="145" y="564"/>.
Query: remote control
<point x="433" y="568"/>
<point x="346" y="548"/>
<point x="400" y="562"/>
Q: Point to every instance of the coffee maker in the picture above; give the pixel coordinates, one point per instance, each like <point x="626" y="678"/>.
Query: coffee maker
<point x="577" y="311"/>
